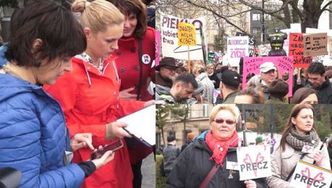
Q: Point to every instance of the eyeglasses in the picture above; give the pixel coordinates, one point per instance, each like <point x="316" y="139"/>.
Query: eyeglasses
<point x="227" y="121"/>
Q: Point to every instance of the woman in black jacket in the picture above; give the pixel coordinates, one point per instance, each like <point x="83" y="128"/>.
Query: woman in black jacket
<point x="212" y="149"/>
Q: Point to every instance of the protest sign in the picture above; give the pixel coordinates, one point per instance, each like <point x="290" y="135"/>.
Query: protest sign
<point x="284" y="65"/>
<point x="307" y="175"/>
<point x="296" y="49"/>
<point x="254" y="162"/>
<point x="186" y="34"/>
<point x="158" y="47"/>
<point x="315" y="44"/>
<point x="237" y="47"/>
<point x="169" y="38"/>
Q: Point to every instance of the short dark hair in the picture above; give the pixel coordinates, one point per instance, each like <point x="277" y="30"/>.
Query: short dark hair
<point x="60" y="32"/>
<point x="316" y="68"/>
<point x="136" y="7"/>
<point x="187" y="78"/>
<point x="171" y="138"/>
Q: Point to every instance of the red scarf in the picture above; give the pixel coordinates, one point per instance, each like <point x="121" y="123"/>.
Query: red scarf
<point x="219" y="148"/>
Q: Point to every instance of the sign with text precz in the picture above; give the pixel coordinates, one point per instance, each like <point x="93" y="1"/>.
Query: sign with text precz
<point x="307" y="175"/>
<point x="254" y="162"/>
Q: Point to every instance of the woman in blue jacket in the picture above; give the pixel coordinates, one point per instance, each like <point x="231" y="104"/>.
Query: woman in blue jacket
<point x="33" y="135"/>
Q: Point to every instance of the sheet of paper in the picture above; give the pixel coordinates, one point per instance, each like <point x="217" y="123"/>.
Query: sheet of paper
<point x="142" y="124"/>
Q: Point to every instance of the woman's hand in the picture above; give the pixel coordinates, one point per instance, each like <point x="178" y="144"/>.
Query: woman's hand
<point x="318" y="157"/>
<point x="81" y="140"/>
<point x="149" y="103"/>
<point x="125" y="94"/>
<point x="115" y="129"/>
<point x="250" y="184"/>
<point x="107" y="157"/>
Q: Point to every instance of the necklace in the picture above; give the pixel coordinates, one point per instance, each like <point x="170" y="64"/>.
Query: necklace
<point x="99" y="66"/>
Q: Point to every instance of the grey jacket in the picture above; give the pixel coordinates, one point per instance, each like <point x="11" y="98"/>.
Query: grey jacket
<point x="284" y="162"/>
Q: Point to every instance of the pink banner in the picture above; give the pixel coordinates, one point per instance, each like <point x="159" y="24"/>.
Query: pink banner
<point x="157" y="39"/>
<point x="284" y="65"/>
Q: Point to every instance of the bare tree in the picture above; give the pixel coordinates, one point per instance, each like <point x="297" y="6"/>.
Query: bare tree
<point x="289" y="11"/>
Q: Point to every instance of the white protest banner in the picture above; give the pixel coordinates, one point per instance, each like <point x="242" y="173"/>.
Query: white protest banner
<point x="254" y="162"/>
<point x="237" y="47"/>
<point x="307" y="175"/>
<point x="169" y="38"/>
<point x="315" y="44"/>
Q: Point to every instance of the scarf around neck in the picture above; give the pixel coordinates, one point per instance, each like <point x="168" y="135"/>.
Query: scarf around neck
<point x="219" y="148"/>
<point x="297" y="141"/>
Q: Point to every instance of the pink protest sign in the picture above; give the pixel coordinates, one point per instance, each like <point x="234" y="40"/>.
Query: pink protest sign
<point x="157" y="39"/>
<point x="284" y="65"/>
<point x="296" y="49"/>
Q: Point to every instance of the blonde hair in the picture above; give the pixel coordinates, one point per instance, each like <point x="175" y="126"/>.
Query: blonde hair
<point x="198" y="69"/>
<point x="232" y="108"/>
<point x="97" y="15"/>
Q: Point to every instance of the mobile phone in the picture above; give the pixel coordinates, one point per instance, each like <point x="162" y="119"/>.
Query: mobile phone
<point x="117" y="144"/>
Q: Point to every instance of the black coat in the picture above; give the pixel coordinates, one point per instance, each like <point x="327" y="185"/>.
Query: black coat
<point x="325" y="93"/>
<point x="194" y="163"/>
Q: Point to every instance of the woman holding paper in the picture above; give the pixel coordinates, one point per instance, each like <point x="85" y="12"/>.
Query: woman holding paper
<point x="299" y="132"/>
<point x="213" y="152"/>
<point x="89" y="95"/>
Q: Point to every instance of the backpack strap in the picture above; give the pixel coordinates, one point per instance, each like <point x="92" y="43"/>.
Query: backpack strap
<point x="210" y="175"/>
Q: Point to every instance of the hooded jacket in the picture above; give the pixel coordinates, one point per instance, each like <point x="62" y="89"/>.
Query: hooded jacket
<point x="90" y="100"/>
<point x="33" y="135"/>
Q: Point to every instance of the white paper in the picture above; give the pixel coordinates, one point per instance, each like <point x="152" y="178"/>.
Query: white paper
<point x="142" y="124"/>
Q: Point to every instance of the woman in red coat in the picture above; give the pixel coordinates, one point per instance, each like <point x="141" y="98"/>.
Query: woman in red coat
<point x="135" y="64"/>
<point x="136" y="53"/>
<point x="89" y="95"/>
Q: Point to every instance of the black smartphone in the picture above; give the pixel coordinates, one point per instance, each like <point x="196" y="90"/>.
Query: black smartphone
<point x="117" y="144"/>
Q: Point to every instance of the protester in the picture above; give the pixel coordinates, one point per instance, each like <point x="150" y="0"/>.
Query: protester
<point x="305" y="95"/>
<point x="268" y="73"/>
<point x="318" y="81"/>
<point x="229" y="86"/>
<point x="212" y="75"/>
<point x="278" y="91"/>
<point x="249" y="96"/>
<point x="89" y="94"/>
<point x="181" y="91"/>
<point x="202" y="79"/>
<point x="299" y="131"/>
<point x="170" y="153"/>
<point x="136" y="52"/>
<point x="33" y="135"/>
<point x="189" y="140"/>
<point x="212" y="149"/>
<point x="165" y="75"/>
<point x="135" y="61"/>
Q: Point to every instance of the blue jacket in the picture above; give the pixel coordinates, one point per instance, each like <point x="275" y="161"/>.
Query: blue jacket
<point x="33" y="135"/>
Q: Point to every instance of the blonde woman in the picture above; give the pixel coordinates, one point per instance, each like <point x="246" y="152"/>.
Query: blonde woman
<point x="90" y="94"/>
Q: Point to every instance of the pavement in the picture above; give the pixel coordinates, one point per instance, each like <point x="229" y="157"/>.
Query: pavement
<point x="149" y="172"/>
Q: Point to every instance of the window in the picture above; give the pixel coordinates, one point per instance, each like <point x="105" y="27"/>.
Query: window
<point x="256" y="17"/>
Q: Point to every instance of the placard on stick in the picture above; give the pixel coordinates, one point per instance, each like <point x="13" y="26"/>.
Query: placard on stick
<point x="254" y="162"/>
<point x="186" y="34"/>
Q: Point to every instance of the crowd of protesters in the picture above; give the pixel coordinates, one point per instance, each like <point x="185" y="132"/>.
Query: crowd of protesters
<point x="218" y="84"/>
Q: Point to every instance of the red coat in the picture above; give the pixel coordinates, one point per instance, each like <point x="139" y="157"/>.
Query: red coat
<point x="89" y="101"/>
<point x="128" y="62"/>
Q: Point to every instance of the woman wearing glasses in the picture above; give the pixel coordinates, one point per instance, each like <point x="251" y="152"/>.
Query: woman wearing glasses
<point x="212" y="149"/>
